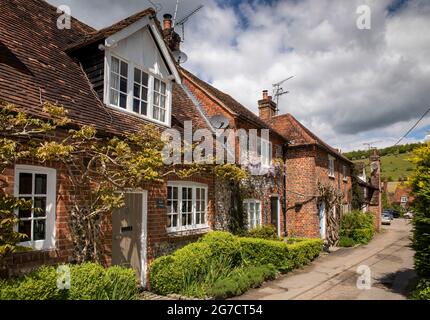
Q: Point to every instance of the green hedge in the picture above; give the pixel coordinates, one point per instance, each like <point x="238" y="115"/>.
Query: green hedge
<point x="356" y="227"/>
<point x="197" y="267"/>
<point x="241" y="280"/>
<point x="263" y="232"/>
<point x="421" y="244"/>
<point x="88" y="281"/>
<point x="422" y="291"/>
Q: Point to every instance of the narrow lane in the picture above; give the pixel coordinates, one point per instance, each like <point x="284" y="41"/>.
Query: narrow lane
<point x="332" y="277"/>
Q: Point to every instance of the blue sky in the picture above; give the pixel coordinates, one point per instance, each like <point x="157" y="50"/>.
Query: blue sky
<point x="350" y="86"/>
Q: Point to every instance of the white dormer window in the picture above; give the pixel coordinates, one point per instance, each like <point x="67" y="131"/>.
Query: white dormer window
<point x="331" y="166"/>
<point x="138" y="91"/>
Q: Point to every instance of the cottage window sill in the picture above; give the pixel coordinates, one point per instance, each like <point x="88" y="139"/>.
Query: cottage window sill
<point x="187" y="232"/>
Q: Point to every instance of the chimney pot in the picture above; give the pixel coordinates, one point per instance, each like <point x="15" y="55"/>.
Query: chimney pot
<point x="167" y="23"/>
<point x="265" y="95"/>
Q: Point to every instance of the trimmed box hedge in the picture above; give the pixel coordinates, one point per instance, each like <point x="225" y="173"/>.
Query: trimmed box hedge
<point x="192" y="263"/>
<point x="356" y="227"/>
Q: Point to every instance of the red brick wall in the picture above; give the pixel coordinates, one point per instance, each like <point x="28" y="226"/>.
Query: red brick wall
<point x="156" y="223"/>
<point x="306" y="166"/>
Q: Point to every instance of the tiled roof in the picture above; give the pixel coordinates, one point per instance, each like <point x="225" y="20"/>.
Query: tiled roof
<point x="34" y="68"/>
<point x="108" y="31"/>
<point x="299" y="135"/>
<point x="237" y="108"/>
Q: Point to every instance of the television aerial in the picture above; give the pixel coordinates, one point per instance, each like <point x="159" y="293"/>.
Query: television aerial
<point x="278" y="90"/>
<point x="219" y="122"/>
<point x="184" y="20"/>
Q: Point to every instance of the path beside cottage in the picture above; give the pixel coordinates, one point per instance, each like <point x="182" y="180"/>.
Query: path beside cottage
<point x="334" y="276"/>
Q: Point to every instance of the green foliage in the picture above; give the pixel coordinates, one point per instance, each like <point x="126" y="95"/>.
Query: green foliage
<point x="38" y="285"/>
<point x="420" y="184"/>
<point x="195" y="269"/>
<point x="240" y="280"/>
<point x="8" y="236"/>
<point x="223" y="244"/>
<point x="422" y="291"/>
<point x="88" y="281"/>
<point x="395" y="150"/>
<point x="357" y="227"/>
<point x="263" y="232"/>
<point x="230" y="173"/>
<point x="346" y="242"/>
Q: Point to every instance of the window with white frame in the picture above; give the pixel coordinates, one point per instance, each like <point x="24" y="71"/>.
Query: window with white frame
<point x="37" y="223"/>
<point x="160" y="99"/>
<point x="345" y="173"/>
<point x="138" y="91"/>
<point x="404" y="199"/>
<point x="331" y="166"/>
<point x="264" y="151"/>
<point x="252" y="208"/>
<point x="118" y="83"/>
<point x="186" y="206"/>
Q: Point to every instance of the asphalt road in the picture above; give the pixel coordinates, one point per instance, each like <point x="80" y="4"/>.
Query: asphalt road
<point x="385" y="272"/>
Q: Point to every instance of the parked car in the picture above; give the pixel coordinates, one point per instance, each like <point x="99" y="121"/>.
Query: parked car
<point x="386" y="219"/>
<point x="408" y="215"/>
<point x="388" y="213"/>
<point x="394" y="213"/>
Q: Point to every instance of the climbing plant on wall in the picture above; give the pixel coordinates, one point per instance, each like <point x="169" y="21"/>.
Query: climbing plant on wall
<point x="332" y="197"/>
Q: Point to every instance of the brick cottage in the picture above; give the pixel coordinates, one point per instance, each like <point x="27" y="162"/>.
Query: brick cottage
<point x="124" y="76"/>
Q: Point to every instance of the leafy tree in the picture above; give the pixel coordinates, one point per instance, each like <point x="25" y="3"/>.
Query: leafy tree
<point x="420" y="183"/>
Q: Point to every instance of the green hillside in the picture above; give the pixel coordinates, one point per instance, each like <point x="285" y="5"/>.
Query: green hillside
<point x="394" y="160"/>
<point x="395" y="167"/>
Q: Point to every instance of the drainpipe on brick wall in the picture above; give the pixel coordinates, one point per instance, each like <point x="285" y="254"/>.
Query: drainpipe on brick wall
<point x="284" y="202"/>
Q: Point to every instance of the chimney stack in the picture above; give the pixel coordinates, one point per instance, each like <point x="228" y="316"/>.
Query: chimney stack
<point x="172" y="39"/>
<point x="267" y="107"/>
<point x="167" y="23"/>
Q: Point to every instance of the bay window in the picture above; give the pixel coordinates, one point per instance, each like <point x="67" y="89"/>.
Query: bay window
<point x="253" y="210"/>
<point x="186" y="206"/>
<point x="138" y="91"/>
<point x="38" y="185"/>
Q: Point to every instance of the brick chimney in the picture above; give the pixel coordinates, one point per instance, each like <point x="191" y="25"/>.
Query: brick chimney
<point x="172" y="39"/>
<point x="267" y="107"/>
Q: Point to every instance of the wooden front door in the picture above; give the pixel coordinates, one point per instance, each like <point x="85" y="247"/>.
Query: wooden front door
<point x="129" y="234"/>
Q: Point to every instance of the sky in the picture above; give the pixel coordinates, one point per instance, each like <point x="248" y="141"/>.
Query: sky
<point x="350" y="87"/>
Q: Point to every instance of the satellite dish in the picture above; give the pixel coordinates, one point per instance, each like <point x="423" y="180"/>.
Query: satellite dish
<point x="219" y="122"/>
<point x="179" y="56"/>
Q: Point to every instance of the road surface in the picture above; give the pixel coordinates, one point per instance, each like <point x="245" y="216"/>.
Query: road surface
<point x="334" y="276"/>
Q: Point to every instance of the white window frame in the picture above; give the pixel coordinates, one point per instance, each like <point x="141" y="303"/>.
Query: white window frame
<point x="344" y="172"/>
<point x="404" y="199"/>
<point x="246" y="206"/>
<point x="194" y="186"/>
<point x="264" y="152"/>
<point x="331" y="166"/>
<point x="51" y="192"/>
<point x="130" y="88"/>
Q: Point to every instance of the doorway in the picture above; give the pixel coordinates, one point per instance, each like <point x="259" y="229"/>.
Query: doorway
<point x="129" y="226"/>
<point x="275" y="214"/>
<point x="322" y="216"/>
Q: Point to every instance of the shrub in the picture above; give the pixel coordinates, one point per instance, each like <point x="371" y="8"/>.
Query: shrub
<point x="421" y="244"/>
<point x="240" y="280"/>
<point x="263" y="232"/>
<point x="346" y="242"/>
<point x="195" y="269"/>
<point x="357" y="226"/>
<point x="88" y="281"/>
<point x="422" y="291"/>
<point x="260" y="252"/>
<point x="169" y="274"/>
<point x="38" y="285"/>
<point x="223" y="244"/>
